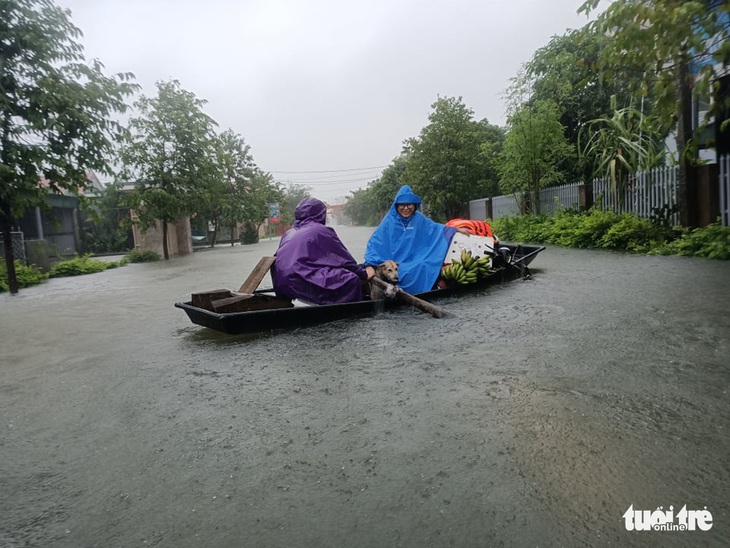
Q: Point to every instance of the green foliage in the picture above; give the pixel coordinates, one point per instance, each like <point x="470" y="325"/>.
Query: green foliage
<point x="292" y="195"/>
<point x="599" y="229"/>
<point x="525" y="228"/>
<point x="619" y="145"/>
<point x="712" y="242"/>
<point x="534" y="150"/>
<point x="453" y="160"/>
<point x="169" y="150"/>
<point x="661" y="41"/>
<point x="124" y="261"/>
<point x="106" y="226"/>
<point x="240" y="192"/>
<point x="368" y="206"/>
<point x="26" y="275"/>
<point x="142" y="256"/>
<point x="631" y="234"/>
<point x="362" y="209"/>
<point x="249" y="234"/>
<point x="77" y="267"/>
<point x="58" y="112"/>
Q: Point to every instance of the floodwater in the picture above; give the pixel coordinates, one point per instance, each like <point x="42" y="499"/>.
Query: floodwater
<point x="535" y="417"/>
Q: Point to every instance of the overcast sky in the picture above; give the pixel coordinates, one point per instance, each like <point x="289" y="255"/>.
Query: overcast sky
<point x="324" y="91"/>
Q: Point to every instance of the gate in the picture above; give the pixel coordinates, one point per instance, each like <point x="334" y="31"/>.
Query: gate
<point x="18" y="246"/>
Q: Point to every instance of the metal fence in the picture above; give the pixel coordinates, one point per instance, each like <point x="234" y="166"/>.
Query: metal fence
<point x="559" y="197"/>
<point x="18" y="246"/>
<point x="644" y="194"/>
<point x="505" y="206"/>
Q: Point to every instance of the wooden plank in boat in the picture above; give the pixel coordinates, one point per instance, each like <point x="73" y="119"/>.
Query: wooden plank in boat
<point x="204" y="299"/>
<point x="246" y="303"/>
<point x="257" y="274"/>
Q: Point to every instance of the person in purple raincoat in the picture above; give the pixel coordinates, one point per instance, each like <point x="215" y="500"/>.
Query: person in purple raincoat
<point x="312" y="263"/>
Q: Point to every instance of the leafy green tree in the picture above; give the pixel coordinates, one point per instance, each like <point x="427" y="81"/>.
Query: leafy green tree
<point x="56" y="111"/>
<point x="566" y="71"/>
<point x="385" y="187"/>
<point x="169" y="151"/>
<point x="253" y="199"/>
<point x="224" y="197"/>
<point x="533" y="152"/>
<point x="292" y="195"/>
<point x="360" y="207"/>
<point x="448" y="163"/>
<point x="680" y="44"/>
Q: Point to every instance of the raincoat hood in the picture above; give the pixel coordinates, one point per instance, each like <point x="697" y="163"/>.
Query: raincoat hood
<point x="310" y="210"/>
<point x="406" y="196"/>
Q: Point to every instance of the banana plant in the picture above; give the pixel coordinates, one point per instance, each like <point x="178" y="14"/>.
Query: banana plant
<point x="620" y="145"/>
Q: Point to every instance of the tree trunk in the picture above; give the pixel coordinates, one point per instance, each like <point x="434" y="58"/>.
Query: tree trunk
<point x="165" y="250"/>
<point x="685" y="175"/>
<point x="6" y="228"/>
<point x="215" y="233"/>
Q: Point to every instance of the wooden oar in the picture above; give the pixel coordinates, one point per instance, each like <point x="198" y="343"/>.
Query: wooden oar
<point x="425" y="306"/>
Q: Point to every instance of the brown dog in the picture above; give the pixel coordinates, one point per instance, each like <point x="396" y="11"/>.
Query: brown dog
<point x="388" y="272"/>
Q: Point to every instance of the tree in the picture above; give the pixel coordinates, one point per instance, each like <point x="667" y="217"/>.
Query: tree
<point x="534" y="149"/>
<point x="448" y="162"/>
<point x="620" y="145"/>
<point x="169" y="151"/>
<point x="56" y="112"/>
<point x="367" y="206"/>
<point x="223" y="200"/>
<point x="566" y="71"/>
<point x="292" y="195"/>
<point x="254" y="197"/>
<point x="679" y="43"/>
<point x="385" y="187"/>
<point x="361" y="209"/>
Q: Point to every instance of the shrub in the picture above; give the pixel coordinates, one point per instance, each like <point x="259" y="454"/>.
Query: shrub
<point x="712" y="242"/>
<point x="141" y="256"/>
<point x="526" y="228"/>
<point x="77" y="267"/>
<point x="631" y="234"/>
<point x="607" y="230"/>
<point x="124" y="261"/>
<point x="26" y="275"/>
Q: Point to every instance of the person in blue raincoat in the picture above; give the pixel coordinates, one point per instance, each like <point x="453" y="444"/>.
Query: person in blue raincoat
<point x="417" y="243"/>
<point x="313" y="264"/>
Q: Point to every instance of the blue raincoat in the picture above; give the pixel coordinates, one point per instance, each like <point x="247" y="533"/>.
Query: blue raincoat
<point x="312" y="263"/>
<point x="417" y="243"/>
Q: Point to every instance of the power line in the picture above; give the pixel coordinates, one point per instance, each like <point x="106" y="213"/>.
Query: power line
<point x="334" y="177"/>
<point x="321" y="182"/>
<point x="332" y="170"/>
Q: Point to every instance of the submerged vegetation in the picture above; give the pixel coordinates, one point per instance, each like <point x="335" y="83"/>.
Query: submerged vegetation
<point x="596" y="229"/>
<point x="26" y="275"/>
<point x="78" y="266"/>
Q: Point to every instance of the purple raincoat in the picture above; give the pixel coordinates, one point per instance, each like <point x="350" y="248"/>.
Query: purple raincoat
<point x="312" y="263"/>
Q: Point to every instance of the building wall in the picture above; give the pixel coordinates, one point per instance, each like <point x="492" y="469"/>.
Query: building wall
<point x="179" y="238"/>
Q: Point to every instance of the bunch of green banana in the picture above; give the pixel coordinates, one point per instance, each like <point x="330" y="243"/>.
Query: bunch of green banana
<point x="467" y="270"/>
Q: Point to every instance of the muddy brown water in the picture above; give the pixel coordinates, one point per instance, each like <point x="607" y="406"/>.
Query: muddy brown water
<point x="535" y="417"/>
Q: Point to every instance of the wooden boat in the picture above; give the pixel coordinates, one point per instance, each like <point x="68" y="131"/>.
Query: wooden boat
<point x="511" y="263"/>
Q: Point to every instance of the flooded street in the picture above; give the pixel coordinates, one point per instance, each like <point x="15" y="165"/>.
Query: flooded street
<point x="535" y="417"/>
